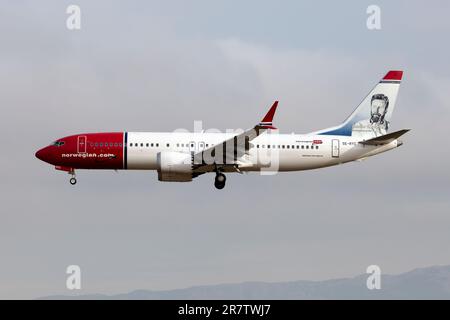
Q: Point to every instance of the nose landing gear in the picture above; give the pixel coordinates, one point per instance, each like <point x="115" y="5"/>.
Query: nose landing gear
<point x="72" y="180"/>
<point x="219" y="181"/>
<point x="70" y="171"/>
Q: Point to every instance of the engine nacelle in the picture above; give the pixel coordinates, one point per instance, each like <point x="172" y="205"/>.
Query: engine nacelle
<point x="174" y="166"/>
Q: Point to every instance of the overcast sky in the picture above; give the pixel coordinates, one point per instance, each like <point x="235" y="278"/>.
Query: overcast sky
<point x="160" y="65"/>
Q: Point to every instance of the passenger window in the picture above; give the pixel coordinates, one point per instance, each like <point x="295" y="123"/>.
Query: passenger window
<point x="157" y="144"/>
<point x="303" y="147"/>
<point x="287" y="146"/>
<point x="101" y="144"/>
<point x="307" y="147"/>
<point x="268" y="146"/>
<point x="120" y="144"/>
<point x="282" y="146"/>
<point x="167" y="145"/>
<point x="257" y="146"/>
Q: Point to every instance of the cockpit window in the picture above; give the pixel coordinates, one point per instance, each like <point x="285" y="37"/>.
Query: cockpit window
<point x="58" y="143"/>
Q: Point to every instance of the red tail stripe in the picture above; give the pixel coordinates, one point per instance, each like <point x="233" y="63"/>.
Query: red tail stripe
<point x="393" y="75"/>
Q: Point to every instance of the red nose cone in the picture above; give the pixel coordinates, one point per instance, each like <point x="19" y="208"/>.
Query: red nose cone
<point x="42" y="154"/>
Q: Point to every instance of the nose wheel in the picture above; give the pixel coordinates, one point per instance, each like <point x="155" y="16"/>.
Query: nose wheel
<point x="72" y="180"/>
<point x="219" y="181"/>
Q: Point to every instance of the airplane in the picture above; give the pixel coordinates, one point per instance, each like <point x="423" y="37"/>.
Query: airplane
<point x="183" y="156"/>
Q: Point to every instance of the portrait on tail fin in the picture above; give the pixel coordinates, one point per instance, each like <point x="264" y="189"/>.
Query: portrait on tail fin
<point x="377" y="123"/>
<point x="372" y="117"/>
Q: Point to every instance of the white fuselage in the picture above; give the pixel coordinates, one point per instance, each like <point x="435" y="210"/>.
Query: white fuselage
<point x="269" y="151"/>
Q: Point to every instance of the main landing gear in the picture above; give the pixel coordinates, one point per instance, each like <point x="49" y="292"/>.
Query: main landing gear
<point x="219" y="181"/>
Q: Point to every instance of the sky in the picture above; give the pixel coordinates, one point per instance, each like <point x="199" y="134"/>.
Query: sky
<point x="160" y="66"/>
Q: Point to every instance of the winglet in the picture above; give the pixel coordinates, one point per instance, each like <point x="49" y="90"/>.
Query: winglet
<point x="266" y="122"/>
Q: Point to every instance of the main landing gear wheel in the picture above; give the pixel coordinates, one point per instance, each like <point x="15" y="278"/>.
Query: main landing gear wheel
<point x="219" y="181"/>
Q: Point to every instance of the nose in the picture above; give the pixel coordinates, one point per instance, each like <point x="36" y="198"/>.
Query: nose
<point x="42" y="154"/>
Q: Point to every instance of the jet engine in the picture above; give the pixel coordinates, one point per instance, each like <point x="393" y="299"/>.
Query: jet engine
<point x="174" y="166"/>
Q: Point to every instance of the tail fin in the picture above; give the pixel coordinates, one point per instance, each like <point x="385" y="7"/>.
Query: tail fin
<point x="372" y="117"/>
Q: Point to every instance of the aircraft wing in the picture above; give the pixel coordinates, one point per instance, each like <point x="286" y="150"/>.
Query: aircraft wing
<point x="229" y="151"/>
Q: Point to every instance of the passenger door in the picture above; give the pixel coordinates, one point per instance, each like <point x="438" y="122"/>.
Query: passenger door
<point x="81" y="146"/>
<point x="335" y="148"/>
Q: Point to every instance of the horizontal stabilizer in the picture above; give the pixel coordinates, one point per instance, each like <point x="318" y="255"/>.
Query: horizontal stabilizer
<point x="385" y="139"/>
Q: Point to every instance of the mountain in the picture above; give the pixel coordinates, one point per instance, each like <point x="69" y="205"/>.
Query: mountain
<point x="424" y="283"/>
